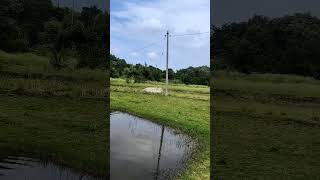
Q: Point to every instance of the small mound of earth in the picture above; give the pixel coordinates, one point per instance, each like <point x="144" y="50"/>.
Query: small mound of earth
<point x="152" y="90"/>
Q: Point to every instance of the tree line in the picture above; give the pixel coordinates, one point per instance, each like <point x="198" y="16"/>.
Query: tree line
<point x="284" y="45"/>
<point x="59" y="32"/>
<point x="140" y="73"/>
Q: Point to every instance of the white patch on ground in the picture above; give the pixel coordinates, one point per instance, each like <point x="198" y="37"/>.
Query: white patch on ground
<point x="152" y="90"/>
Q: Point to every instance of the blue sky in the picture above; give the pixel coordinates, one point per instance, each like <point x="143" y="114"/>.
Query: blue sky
<point x="136" y="24"/>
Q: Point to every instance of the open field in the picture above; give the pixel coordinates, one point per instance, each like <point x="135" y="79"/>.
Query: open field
<point x="60" y="115"/>
<point x="267" y="126"/>
<point x="198" y="92"/>
<point x="186" y="108"/>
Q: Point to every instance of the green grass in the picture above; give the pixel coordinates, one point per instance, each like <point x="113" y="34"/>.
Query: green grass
<point x="29" y="74"/>
<point x="182" y="109"/>
<point x="267" y="126"/>
<point x="176" y="90"/>
<point x="60" y="115"/>
<point x="67" y="131"/>
<point x="45" y="87"/>
<point x="33" y="66"/>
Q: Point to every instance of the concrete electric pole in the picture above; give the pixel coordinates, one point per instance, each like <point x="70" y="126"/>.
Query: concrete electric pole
<point x="72" y="13"/>
<point x="167" y="73"/>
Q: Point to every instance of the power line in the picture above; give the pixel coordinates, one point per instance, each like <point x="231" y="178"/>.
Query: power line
<point x="189" y="34"/>
<point x="143" y="48"/>
<point x="167" y="53"/>
<point x="174" y="35"/>
<point x="148" y="45"/>
<point x="154" y="50"/>
<point x="156" y="42"/>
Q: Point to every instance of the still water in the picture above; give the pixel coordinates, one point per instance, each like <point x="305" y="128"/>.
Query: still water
<point x="22" y="168"/>
<point x="141" y="149"/>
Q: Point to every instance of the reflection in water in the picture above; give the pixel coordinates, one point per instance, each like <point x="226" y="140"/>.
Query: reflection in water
<point x="22" y="168"/>
<point x="159" y="156"/>
<point x="141" y="149"/>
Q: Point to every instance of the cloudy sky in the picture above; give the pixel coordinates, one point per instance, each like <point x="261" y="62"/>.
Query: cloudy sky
<point x="138" y="30"/>
<point x="224" y="11"/>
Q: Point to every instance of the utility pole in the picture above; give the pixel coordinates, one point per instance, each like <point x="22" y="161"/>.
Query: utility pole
<point x="72" y="12"/>
<point x="167" y="73"/>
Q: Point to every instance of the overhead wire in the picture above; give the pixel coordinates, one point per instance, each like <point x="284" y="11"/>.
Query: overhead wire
<point x="190" y="34"/>
<point x="174" y="35"/>
<point x="157" y="42"/>
<point x="149" y="45"/>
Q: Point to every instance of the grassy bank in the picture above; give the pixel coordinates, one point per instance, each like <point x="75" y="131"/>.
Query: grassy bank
<point x="60" y="115"/>
<point x="267" y="126"/>
<point x="186" y="108"/>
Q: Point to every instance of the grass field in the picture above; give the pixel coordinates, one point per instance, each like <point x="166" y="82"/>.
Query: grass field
<point x="186" y="108"/>
<point x="266" y="126"/>
<point x="57" y="115"/>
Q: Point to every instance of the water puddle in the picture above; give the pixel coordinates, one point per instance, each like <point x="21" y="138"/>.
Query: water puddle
<point x="18" y="168"/>
<point x="141" y="149"/>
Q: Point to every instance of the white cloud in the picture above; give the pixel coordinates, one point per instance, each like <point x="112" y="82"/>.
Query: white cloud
<point x="114" y="50"/>
<point x="152" y="55"/>
<point x="134" y="54"/>
<point x="176" y="15"/>
<point x="137" y="24"/>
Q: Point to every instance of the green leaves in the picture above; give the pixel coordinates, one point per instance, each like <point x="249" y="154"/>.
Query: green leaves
<point x="285" y="45"/>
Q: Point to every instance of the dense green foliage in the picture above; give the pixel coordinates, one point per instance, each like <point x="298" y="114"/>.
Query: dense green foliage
<point x="285" y="45"/>
<point x="38" y="26"/>
<point x="141" y="73"/>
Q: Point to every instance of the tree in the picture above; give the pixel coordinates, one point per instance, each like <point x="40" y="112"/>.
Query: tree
<point x="58" y="50"/>
<point x="52" y="29"/>
<point x="10" y="32"/>
<point x="285" y="45"/>
<point x="141" y="73"/>
<point x="38" y="26"/>
<point x="35" y="13"/>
